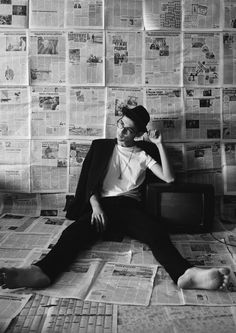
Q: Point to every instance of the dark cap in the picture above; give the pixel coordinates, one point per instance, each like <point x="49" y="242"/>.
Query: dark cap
<point x="139" y="115"/>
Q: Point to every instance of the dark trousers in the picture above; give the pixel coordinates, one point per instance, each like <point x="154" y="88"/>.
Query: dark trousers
<point x="126" y="216"/>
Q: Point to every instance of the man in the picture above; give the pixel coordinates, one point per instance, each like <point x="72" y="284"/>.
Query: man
<point x="108" y="202"/>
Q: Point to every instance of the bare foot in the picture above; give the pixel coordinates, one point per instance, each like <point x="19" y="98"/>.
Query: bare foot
<point x="27" y="277"/>
<point x="202" y="278"/>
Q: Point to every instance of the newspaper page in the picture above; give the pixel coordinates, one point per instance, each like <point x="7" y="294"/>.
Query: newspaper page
<point x="14" y="112"/>
<point x="14" y="60"/>
<point x="52" y="204"/>
<point x="229" y="113"/>
<point x="78" y="152"/>
<point x="86" y="58"/>
<point x="16" y="178"/>
<point x="229" y="167"/>
<point x="84" y="14"/>
<point x="51" y="225"/>
<point x="14" y="222"/>
<point x="228" y="208"/>
<point x="49" y="166"/>
<point x="20" y="204"/>
<point x="86" y="112"/>
<point x="202" y="14"/>
<point x="26" y="240"/>
<point x="14" y="13"/>
<point x="46" y="14"/>
<point x="229" y="56"/>
<point x="166" y="112"/>
<point x="117" y="98"/>
<point x="162" y="14"/>
<point x="201" y="59"/>
<point x="48" y="112"/>
<point x="123" y="284"/>
<point x="14" y="152"/>
<point x="162" y="58"/>
<point x="124" y="14"/>
<point x="11" y="305"/>
<point x="202" y="113"/>
<point x="120" y="257"/>
<point x="124" y="58"/>
<point x="176" y="155"/>
<point x="203" y="156"/>
<point x="229" y="14"/>
<point x="47" y="57"/>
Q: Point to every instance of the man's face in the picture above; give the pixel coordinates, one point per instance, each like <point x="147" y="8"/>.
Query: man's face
<point x="126" y="132"/>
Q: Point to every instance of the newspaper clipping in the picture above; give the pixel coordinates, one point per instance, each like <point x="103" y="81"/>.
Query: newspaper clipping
<point x="46" y="14"/>
<point x="14" y="13"/>
<point x="229" y="46"/>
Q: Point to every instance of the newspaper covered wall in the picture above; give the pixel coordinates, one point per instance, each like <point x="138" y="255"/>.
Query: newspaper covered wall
<point x="68" y="67"/>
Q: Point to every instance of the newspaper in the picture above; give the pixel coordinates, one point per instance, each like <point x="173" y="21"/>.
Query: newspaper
<point x="229" y="40"/>
<point x="46" y="14"/>
<point x="124" y="15"/>
<point x="47" y="57"/>
<point x="15" y="222"/>
<point x="117" y="98"/>
<point x="165" y="108"/>
<point x="200" y="156"/>
<point x="229" y="14"/>
<point x="202" y="14"/>
<point x="86" y="58"/>
<point x="48" y="112"/>
<point x="50" y="225"/>
<point x="14" y="13"/>
<point x="176" y="155"/>
<point x="121" y="257"/>
<point x="84" y="14"/>
<point x="14" y="112"/>
<point x="86" y="112"/>
<point x="14" y="60"/>
<point x="26" y="240"/>
<point x="229" y="167"/>
<point x="49" y="166"/>
<point x="10" y="306"/>
<point x="228" y="113"/>
<point x="201" y="59"/>
<point x="15" y="178"/>
<point x="14" y="152"/>
<point x="124" y="58"/>
<point x="202" y="113"/>
<point x="52" y="204"/>
<point x="162" y="14"/>
<point x="228" y="208"/>
<point x="162" y="58"/>
<point x="78" y="152"/>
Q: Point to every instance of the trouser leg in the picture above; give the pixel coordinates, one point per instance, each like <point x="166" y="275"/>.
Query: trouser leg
<point x="77" y="237"/>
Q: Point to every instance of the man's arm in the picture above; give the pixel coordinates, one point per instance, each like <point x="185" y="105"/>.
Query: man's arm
<point x="163" y="171"/>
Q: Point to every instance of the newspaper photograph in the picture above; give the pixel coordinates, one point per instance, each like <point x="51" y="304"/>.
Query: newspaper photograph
<point x="162" y="14"/>
<point x="48" y="112"/>
<point x="202" y="14"/>
<point x="202" y="113"/>
<point x="15" y="178"/>
<point x="201" y="59"/>
<point x="229" y="167"/>
<point x="10" y="306"/>
<point x="124" y="58"/>
<point x="47" y="57"/>
<point x="46" y="14"/>
<point x="86" y="112"/>
<point x="78" y="152"/>
<point x="228" y="113"/>
<point x="14" y="60"/>
<point x="14" y="13"/>
<point x="229" y="56"/>
<point x="52" y="204"/>
<point x="84" y="14"/>
<point x="20" y="204"/>
<point x="49" y="166"/>
<point x="14" y="152"/>
<point x="123" y="284"/>
<point x="162" y="58"/>
<point x="124" y="15"/>
<point x="14" y="112"/>
<point x="165" y="107"/>
<point x="229" y="14"/>
<point x="86" y="57"/>
<point x="200" y="156"/>
<point x="117" y="98"/>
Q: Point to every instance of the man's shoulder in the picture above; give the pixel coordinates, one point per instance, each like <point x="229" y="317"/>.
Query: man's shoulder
<point x="103" y="142"/>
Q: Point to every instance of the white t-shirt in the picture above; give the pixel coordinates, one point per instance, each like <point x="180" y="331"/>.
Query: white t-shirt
<point x="126" y="171"/>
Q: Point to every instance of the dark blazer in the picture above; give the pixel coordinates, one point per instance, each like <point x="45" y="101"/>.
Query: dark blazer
<point x="94" y="170"/>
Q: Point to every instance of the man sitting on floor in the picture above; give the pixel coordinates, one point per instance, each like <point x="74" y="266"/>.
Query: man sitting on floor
<point x="108" y="201"/>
